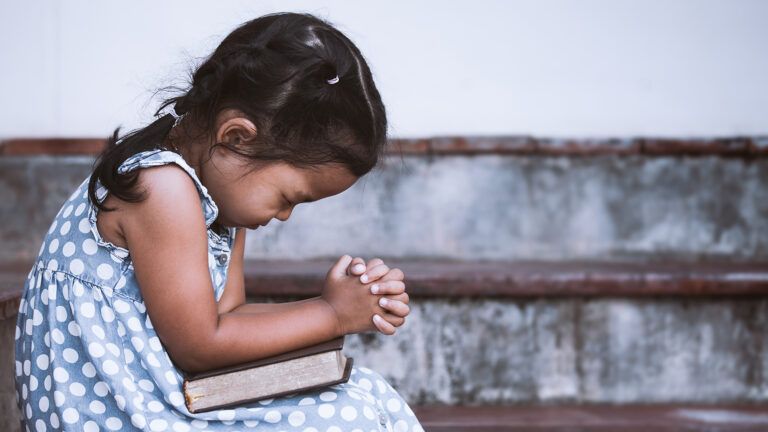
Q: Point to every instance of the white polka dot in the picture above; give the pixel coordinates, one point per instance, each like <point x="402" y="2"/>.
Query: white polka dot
<point x="68" y="210"/>
<point x="226" y="414"/>
<point x="273" y="416"/>
<point x="37" y="318"/>
<point x="348" y="413"/>
<point x="69" y="249"/>
<point x="97" y="407"/>
<point x="65" y="228"/>
<point x="77" y="389"/>
<point x="84" y="225"/>
<point x="365" y="383"/>
<point x="393" y="405"/>
<point x="105" y="271"/>
<point x="154" y="343"/>
<point x="146" y="385"/>
<point x="158" y="425"/>
<point x="296" y="418"/>
<point x="101" y="389"/>
<point x="107" y="314"/>
<point x="155" y="406"/>
<point x="96" y="349"/>
<point x="326" y="410"/>
<point x="333" y="429"/>
<point x="53" y="226"/>
<point x="110" y="367"/>
<point x="138" y="420"/>
<point x="42" y="361"/>
<point x="138" y="344"/>
<point x="266" y="401"/>
<point x="76" y="266"/>
<point x="307" y="401"/>
<point x="74" y="328"/>
<point x="310" y="429"/>
<point x="39" y="426"/>
<point x="60" y="374"/>
<point x="44" y="403"/>
<point x="59" y="398"/>
<point x="152" y="359"/>
<point x="401" y="426"/>
<point x="70" y="415"/>
<point x="89" y="246"/>
<point x="53" y="245"/>
<point x="382" y="386"/>
<point x="134" y="324"/>
<point x="171" y="378"/>
<point x="89" y="370"/>
<point x="80" y="209"/>
<point x="368" y="412"/>
<point x="176" y="398"/>
<point x="114" y="349"/>
<point x="114" y="423"/>
<point x="121" y="306"/>
<point x="180" y="427"/>
<point x="327" y="396"/>
<point x="98" y="331"/>
<point x="55" y="420"/>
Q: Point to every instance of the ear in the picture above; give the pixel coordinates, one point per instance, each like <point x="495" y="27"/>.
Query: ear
<point x="234" y="127"/>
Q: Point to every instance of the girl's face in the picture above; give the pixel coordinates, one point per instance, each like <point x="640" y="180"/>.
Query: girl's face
<point x="254" y="199"/>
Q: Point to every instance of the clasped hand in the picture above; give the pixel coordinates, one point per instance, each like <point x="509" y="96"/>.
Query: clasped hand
<point x="374" y="300"/>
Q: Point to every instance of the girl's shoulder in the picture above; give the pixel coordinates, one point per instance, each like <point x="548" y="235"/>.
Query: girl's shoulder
<point x="159" y="157"/>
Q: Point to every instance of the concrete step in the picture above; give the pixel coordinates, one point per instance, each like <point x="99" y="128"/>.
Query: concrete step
<point x="594" y="418"/>
<point x="503" y="333"/>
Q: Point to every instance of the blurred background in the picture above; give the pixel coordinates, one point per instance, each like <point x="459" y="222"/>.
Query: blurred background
<point x="577" y="193"/>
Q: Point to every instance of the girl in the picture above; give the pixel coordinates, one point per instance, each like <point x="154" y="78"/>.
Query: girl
<point x="140" y="275"/>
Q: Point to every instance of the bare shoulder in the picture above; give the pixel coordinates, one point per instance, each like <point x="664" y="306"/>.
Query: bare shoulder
<point x="169" y="180"/>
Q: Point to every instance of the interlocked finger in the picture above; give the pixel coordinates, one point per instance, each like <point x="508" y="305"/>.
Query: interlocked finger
<point x="388" y="287"/>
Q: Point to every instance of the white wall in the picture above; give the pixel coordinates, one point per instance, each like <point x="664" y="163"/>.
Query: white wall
<point x="541" y="67"/>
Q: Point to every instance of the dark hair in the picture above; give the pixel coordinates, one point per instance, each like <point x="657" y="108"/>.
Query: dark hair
<point x="275" y="69"/>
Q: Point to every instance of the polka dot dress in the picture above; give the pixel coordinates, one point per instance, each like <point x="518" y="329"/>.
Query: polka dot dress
<point x="87" y="357"/>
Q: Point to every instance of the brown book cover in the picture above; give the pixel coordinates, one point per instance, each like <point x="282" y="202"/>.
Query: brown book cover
<point x="305" y="356"/>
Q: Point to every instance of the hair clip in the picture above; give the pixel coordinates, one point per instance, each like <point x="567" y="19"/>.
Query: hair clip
<point x="177" y="117"/>
<point x="333" y="80"/>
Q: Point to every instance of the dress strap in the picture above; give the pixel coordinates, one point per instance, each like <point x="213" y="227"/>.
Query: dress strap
<point x="156" y="157"/>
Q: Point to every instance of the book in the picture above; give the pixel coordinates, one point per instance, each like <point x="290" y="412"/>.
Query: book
<point x="295" y="371"/>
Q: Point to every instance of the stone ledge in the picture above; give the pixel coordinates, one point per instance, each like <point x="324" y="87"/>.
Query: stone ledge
<point x="505" y="279"/>
<point x="735" y="146"/>
<point x="627" y="418"/>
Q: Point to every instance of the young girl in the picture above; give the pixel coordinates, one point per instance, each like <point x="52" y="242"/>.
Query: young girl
<point x="140" y="275"/>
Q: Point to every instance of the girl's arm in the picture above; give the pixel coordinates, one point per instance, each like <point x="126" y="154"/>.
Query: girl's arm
<point x="233" y="299"/>
<point x="269" y="307"/>
<point x="169" y="246"/>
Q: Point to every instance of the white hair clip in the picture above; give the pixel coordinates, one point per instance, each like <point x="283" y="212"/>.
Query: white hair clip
<point x="177" y="117"/>
<point x="333" y="80"/>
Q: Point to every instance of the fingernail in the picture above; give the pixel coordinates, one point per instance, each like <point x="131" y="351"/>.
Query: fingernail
<point x="383" y="301"/>
<point x="359" y="267"/>
<point x="375" y="288"/>
<point x="364" y="278"/>
<point x="376" y="318"/>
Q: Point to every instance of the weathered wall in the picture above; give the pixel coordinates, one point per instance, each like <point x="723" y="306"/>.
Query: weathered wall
<point x="480" y="207"/>
<point x="577" y="350"/>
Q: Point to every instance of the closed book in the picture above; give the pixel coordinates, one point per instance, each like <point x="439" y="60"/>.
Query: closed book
<point x="303" y="369"/>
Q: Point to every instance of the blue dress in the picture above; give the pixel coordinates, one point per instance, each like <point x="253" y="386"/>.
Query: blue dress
<point x="88" y="359"/>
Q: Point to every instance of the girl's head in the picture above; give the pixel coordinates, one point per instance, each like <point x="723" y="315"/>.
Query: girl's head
<point x="265" y="116"/>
